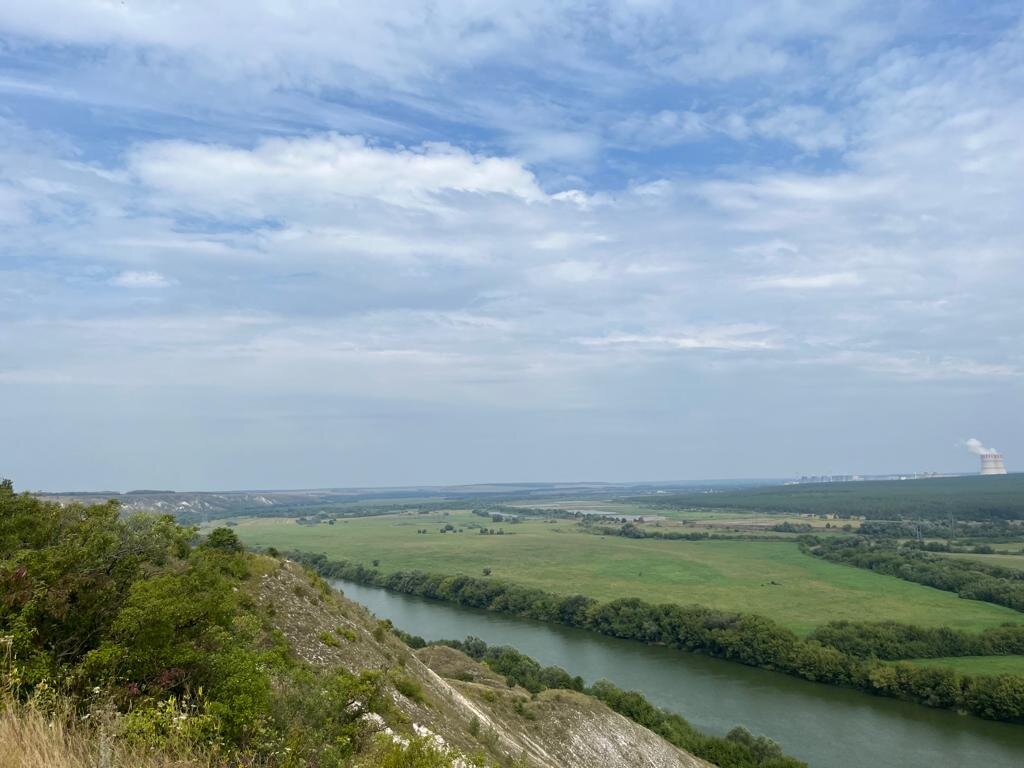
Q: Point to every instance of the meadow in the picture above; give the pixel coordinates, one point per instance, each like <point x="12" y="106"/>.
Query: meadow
<point x="977" y="665"/>
<point x="770" y="578"/>
<point x="1014" y="561"/>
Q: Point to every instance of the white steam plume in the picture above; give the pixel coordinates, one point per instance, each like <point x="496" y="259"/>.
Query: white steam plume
<point x="975" y="446"/>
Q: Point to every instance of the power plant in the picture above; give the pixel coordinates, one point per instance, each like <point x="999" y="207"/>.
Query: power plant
<point x="992" y="464"/>
<point x="991" y="459"/>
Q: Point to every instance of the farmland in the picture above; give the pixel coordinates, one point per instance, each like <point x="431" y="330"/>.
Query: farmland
<point x="766" y="577"/>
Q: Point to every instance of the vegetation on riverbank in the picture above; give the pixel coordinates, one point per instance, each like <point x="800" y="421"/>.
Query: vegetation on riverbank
<point x="772" y="578"/>
<point x="747" y="638"/>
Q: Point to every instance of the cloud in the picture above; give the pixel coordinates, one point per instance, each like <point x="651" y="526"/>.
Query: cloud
<point x="517" y="209"/>
<point x="337" y="170"/>
<point x="736" y="338"/>
<point x="809" y="282"/>
<point x="808" y="127"/>
<point x="132" y="279"/>
<point x="921" y="367"/>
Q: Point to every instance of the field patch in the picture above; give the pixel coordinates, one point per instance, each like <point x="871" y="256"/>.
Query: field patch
<point x="977" y="665"/>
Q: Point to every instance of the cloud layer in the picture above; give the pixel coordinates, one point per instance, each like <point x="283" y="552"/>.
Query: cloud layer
<point x="642" y="227"/>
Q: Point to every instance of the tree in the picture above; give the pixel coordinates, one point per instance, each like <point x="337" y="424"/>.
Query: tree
<point x="223" y="540"/>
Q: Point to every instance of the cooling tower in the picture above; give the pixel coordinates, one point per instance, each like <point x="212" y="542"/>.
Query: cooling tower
<point x="992" y="464"/>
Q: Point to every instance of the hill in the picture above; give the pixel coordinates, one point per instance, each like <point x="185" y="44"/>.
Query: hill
<point x="130" y="642"/>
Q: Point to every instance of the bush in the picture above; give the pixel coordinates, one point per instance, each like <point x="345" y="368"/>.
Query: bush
<point x="224" y="540"/>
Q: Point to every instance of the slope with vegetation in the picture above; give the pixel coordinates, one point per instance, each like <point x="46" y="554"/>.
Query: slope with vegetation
<point x="130" y="642"/>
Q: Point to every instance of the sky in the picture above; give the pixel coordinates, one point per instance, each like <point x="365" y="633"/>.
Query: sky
<point x="301" y="243"/>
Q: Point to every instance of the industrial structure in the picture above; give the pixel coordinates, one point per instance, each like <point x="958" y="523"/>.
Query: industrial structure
<point x="992" y="464"/>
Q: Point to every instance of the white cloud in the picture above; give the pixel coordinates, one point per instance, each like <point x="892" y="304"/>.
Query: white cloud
<point x="736" y="338"/>
<point x="809" y="282"/>
<point x="916" y="366"/>
<point x="132" y="279"/>
<point x="332" y="170"/>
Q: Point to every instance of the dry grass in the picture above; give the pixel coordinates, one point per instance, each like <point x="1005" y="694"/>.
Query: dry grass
<point x="32" y="739"/>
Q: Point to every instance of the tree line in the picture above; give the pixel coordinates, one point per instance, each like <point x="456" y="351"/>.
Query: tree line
<point x="965" y="498"/>
<point x="634" y="531"/>
<point x="969" y="579"/>
<point x="892" y="640"/>
<point x="747" y="638"/>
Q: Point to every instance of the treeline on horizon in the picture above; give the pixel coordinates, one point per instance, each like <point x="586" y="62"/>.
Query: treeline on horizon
<point x="738" y="749"/>
<point x="313" y="513"/>
<point x="746" y="638"/>
<point x="969" y="579"/>
<point x="965" y="498"/>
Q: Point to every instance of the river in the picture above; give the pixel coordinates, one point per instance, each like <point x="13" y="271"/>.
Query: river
<point x="826" y="727"/>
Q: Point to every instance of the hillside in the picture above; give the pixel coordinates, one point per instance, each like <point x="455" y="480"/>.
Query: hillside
<point x="448" y="694"/>
<point x="128" y="642"/>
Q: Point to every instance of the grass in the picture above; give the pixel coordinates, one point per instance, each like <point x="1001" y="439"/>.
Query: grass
<point x="31" y="739"/>
<point x="977" y="665"/>
<point x="1004" y="560"/>
<point x="774" y="579"/>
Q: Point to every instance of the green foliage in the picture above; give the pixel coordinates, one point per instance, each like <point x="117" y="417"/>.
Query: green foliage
<point x="126" y="612"/>
<point x="418" y="753"/>
<point x="892" y="640"/>
<point x="224" y="540"/>
<point x="409" y="688"/>
<point x="328" y="638"/>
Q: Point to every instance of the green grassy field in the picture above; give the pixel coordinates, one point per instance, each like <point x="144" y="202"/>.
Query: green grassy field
<point x="978" y="665"/>
<point x="1005" y="561"/>
<point x="769" y="578"/>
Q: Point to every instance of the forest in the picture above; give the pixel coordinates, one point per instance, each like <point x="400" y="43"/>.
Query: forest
<point x="964" y="498"/>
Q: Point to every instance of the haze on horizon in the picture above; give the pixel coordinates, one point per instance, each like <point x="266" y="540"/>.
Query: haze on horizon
<point x="465" y="243"/>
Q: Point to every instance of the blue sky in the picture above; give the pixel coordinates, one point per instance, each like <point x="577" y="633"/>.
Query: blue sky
<point x="284" y="244"/>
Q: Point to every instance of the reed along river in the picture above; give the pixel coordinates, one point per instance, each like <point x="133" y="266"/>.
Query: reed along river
<point x="826" y="727"/>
